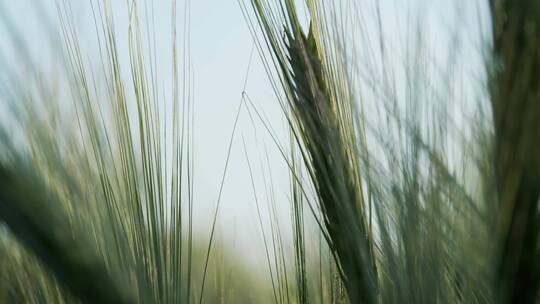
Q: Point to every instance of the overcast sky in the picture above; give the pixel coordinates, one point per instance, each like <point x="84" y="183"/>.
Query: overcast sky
<point x="221" y="45"/>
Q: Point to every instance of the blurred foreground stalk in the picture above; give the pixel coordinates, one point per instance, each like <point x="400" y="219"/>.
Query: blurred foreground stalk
<point x="515" y="97"/>
<point x="30" y="212"/>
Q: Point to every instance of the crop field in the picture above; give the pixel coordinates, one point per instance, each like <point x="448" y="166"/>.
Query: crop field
<point x="269" y="151"/>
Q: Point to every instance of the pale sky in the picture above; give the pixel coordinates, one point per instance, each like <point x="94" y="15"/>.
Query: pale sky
<point x="221" y="45"/>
